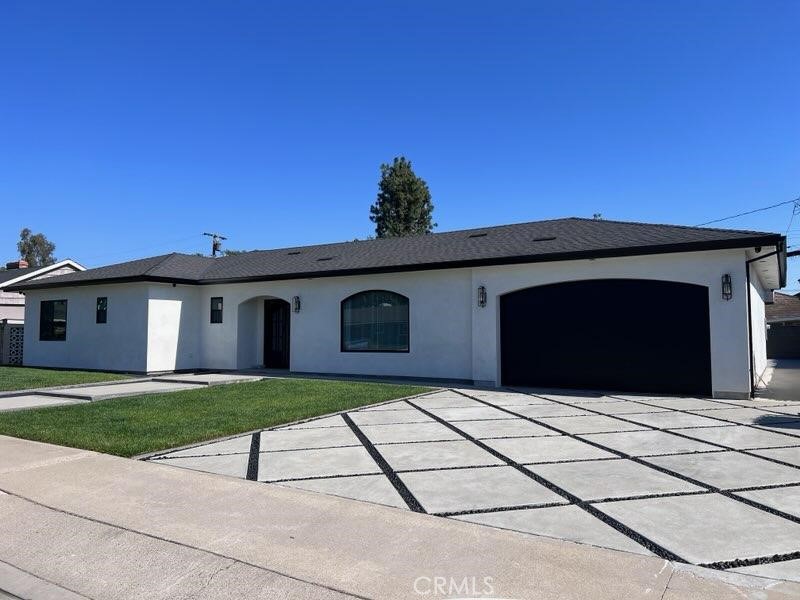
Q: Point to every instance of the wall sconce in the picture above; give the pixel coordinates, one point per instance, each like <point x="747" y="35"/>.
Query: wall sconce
<point x="727" y="287"/>
<point x="296" y="304"/>
<point x="482" y="296"/>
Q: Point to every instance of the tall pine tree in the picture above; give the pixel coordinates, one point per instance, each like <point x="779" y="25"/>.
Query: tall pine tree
<point x="403" y="206"/>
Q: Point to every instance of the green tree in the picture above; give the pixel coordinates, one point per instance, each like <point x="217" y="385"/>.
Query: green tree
<point x="403" y="206"/>
<point x="35" y="248"/>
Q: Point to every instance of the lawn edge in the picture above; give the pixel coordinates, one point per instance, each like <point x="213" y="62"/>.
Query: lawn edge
<point x="149" y="455"/>
<point x="43" y="390"/>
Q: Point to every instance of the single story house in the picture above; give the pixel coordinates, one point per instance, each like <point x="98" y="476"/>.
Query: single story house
<point x="573" y="303"/>
<point x="783" y="323"/>
<point x="12" y="304"/>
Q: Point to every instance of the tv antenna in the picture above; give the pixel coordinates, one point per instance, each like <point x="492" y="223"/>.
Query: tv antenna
<point x="216" y="242"/>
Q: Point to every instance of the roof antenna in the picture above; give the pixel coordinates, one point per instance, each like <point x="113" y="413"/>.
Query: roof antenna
<point x="216" y="242"/>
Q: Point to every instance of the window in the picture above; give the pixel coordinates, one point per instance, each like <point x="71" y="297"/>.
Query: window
<point x="101" y="315"/>
<point x="375" y="321"/>
<point x="216" y="310"/>
<point x="53" y="320"/>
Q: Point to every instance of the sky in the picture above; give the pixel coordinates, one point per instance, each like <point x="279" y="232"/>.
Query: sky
<point x="128" y="129"/>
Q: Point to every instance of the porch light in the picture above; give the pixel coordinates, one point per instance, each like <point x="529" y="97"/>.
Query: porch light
<point x="482" y="296"/>
<point x="296" y="304"/>
<point x="727" y="287"/>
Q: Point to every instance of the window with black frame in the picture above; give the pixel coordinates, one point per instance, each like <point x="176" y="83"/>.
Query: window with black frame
<point x="375" y="321"/>
<point x="101" y="314"/>
<point x="53" y="321"/>
<point x="216" y="310"/>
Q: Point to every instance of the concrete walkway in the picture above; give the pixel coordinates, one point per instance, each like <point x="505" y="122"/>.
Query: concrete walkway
<point x="785" y="381"/>
<point x="77" y="524"/>
<point x="92" y="392"/>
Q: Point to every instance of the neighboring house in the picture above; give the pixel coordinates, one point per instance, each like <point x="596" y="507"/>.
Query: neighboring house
<point x="563" y="303"/>
<point x="783" y="322"/>
<point x="12" y="304"/>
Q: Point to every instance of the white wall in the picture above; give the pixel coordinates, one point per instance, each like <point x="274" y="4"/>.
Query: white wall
<point x="758" y="297"/>
<point x="439" y="315"/>
<point x="12" y="312"/>
<point x="173" y="340"/>
<point x="118" y="345"/>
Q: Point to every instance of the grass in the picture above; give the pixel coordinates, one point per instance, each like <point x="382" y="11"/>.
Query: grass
<point x="139" y="424"/>
<point x="23" y="378"/>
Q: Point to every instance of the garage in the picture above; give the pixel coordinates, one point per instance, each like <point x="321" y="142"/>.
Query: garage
<point x="608" y="334"/>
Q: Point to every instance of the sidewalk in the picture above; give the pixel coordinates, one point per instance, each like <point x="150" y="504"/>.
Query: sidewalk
<point x="92" y="392"/>
<point x="98" y="526"/>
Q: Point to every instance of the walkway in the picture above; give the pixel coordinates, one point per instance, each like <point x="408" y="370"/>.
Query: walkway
<point x="77" y="524"/>
<point x="79" y="394"/>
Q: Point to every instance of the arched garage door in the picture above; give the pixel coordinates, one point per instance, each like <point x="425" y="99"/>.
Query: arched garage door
<point x="610" y="334"/>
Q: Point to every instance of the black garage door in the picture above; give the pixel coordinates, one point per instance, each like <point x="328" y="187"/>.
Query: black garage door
<point x="608" y="334"/>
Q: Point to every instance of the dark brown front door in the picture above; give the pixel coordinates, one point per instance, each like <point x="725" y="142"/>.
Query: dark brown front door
<point x="276" y="334"/>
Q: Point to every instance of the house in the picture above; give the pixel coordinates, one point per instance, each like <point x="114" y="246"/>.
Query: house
<point x="12" y="304"/>
<point x="783" y="323"/>
<point x="563" y="303"/>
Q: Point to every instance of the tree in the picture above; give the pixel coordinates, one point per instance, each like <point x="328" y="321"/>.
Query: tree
<point x="35" y="248"/>
<point x="403" y="206"/>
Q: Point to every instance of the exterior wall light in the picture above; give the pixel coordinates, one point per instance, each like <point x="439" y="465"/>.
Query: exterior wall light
<point x="296" y="304"/>
<point x="727" y="287"/>
<point x="482" y="296"/>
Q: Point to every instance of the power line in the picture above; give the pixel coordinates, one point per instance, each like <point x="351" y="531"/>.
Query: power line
<point x="795" y="210"/>
<point x="750" y="212"/>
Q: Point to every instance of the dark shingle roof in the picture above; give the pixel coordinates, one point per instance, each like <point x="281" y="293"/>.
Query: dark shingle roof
<point x="561" y="239"/>
<point x="13" y="274"/>
<point x="783" y="308"/>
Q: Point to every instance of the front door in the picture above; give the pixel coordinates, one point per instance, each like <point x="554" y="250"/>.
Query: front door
<point x="276" y="334"/>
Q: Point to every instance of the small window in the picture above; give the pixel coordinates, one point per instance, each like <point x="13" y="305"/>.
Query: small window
<point x="216" y="310"/>
<point x="375" y="321"/>
<point x="101" y="315"/>
<point x="53" y="321"/>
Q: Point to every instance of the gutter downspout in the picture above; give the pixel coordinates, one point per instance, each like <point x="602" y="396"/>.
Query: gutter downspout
<point x="750" y="317"/>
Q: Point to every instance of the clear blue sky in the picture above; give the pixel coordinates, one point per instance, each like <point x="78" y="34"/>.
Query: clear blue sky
<point x="128" y="128"/>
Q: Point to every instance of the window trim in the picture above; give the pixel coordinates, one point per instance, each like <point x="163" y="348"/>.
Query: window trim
<point x="98" y="311"/>
<point x="213" y="310"/>
<point x="42" y="337"/>
<point x="342" y="324"/>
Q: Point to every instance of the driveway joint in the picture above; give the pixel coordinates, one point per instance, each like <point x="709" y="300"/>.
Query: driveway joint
<point x="397" y="483"/>
<point x="575" y="500"/>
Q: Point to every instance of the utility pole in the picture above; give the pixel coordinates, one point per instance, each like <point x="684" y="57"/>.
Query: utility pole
<point x="216" y="242"/>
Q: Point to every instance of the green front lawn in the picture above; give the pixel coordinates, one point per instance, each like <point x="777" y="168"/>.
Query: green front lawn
<point x="23" y="378"/>
<point x="130" y="426"/>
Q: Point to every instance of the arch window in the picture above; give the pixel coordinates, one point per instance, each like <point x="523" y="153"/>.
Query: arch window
<point x="375" y="321"/>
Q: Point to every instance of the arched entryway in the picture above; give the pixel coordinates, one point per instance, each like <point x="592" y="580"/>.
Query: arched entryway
<point x="263" y="333"/>
<point x="608" y="334"/>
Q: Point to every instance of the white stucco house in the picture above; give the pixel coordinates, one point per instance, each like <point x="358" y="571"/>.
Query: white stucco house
<point x="563" y="303"/>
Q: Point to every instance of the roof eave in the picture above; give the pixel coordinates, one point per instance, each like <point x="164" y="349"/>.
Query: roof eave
<point x="729" y="244"/>
<point x="106" y="281"/>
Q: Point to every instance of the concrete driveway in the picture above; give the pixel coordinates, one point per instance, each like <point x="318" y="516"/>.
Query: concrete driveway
<point x="708" y="482"/>
<point x="785" y="381"/>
